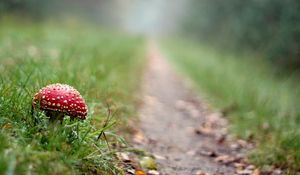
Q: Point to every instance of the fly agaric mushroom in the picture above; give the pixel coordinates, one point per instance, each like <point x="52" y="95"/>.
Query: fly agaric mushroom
<point x="58" y="100"/>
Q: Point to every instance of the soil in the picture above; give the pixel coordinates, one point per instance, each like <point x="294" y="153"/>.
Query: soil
<point x="178" y="127"/>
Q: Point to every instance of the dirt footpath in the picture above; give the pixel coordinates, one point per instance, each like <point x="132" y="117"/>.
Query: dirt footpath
<point x="185" y="137"/>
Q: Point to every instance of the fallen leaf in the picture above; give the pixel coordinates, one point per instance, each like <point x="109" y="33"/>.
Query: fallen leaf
<point x="235" y="146"/>
<point x="225" y="159"/>
<point x="201" y="173"/>
<point x="209" y="153"/>
<point x="181" y="105"/>
<point x="148" y="163"/>
<point x="244" y="172"/>
<point x="239" y="166"/>
<point x="242" y="143"/>
<point x="277" y="171"/>
<point x="159" y="157"/>
<point x="152" y="172"/>
<point x="130" y="171"/>
<point x="138" y="137"/>
<point x="191" y="153"/>
<point x="194" y="113"/>
<point x="256" y="172"/>
<point x="221" y="138"/>
<point x="140" y="172"/>
<point x="204" y="131"/>
<point x="7" y="126"/>
<point x="123" y="157"/>
<point x="250" y="167"/>
<point x="267" y="169"/>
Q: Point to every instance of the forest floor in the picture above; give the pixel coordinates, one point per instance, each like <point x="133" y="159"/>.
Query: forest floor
<point x="181" y="131"/>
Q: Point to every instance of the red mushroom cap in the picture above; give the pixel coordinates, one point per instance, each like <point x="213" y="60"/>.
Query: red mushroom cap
<point x="61" y="98"/>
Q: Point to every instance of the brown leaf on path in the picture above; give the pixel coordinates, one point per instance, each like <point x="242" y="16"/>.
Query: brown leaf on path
<point x="124" y="157"/>
<point x="226" y="159"/>
<point x="242" y="143"/>
<point x="201" y="173"/>
<point x="250" y="167"/>
<point x="239" y="166"/>
<point x="180" y="104"/>
<point x="191" y="153"/>
<point x="235" y="146"/>
<point x="159" y="157"/>
<point x="138" y="137"/>
<point x="204" y="131"/>
<point x="221" y="138"/>
<point x="188" y="107"/>
<point x="244" y="172"/>
<point x="152" y="172"/>
<point x="209" y="153"/>
<point x="256" y="172"/>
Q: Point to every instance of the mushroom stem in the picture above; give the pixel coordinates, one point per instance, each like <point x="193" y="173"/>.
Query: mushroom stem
<point x="55" y="116"/>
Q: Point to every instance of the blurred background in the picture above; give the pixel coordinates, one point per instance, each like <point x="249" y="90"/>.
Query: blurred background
<point x="268" y="27"/>
<point x="139" y="16"/>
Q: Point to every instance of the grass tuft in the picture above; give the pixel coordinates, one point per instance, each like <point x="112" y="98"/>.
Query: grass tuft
<point x="103" y="66"/>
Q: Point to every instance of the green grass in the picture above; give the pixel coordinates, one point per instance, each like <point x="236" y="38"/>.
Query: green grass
<point x="105" y="67"/>
<point x="260" y="103"/>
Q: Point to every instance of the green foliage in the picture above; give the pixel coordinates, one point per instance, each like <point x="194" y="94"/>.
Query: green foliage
<point x="103" y="66"/>
<point x="263" y="106"/>
<point x="38" y="10"/>
<point x="268" y="27"/>
<point x="34" y="8"/>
